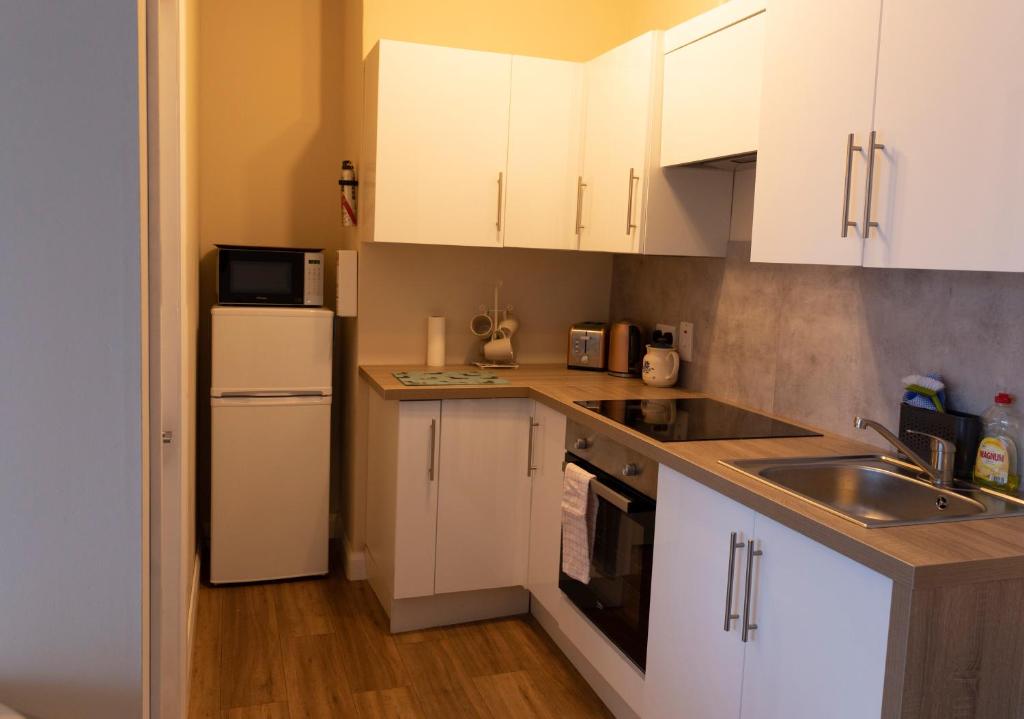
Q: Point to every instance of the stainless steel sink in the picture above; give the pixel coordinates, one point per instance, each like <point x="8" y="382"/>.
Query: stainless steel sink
<point x="876" y="491"/>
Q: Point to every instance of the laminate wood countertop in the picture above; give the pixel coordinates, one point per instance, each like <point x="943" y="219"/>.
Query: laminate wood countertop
<point x="927" y="555"/>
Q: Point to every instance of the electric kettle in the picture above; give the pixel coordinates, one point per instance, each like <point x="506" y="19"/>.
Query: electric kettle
<point x="625" y="350"/>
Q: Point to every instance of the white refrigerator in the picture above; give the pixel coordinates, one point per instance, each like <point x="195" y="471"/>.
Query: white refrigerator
<point x="270" y="407"/>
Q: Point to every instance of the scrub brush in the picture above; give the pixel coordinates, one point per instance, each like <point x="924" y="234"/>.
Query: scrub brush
<point x="925" y="391"/>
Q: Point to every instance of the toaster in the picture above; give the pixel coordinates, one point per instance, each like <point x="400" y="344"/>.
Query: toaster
<point x="588" y="346"/>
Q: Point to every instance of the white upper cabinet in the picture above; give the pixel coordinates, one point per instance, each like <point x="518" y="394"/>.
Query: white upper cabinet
<point x="818" y="90"/>
<point x="620" y="87"/>
<point x="948" y="110"/>
<point x="544" y="144"/>
<point x="628" y="203"/>
<point x="435" y="145"/>
<point x="712" y="85"/>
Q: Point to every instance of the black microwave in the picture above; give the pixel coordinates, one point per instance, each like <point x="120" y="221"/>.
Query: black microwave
<point x="270" y="276"/>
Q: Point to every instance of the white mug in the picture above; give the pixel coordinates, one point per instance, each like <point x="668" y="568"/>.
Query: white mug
<point x="508" y="326"/>
<point x="499" y="350"/>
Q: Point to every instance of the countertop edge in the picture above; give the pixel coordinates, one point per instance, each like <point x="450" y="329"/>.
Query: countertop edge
<point x="763" y="499"/>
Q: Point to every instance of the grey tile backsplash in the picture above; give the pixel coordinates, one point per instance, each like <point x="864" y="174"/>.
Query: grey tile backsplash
<point x="822" y="344"/>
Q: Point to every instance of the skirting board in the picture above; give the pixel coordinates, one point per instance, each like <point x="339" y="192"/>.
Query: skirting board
<point x="615" y="703"/>
<point x="440" y="610"/>
<point x="355" y="563"/>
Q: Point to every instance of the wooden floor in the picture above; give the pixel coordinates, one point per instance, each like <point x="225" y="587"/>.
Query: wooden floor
<point x="320" y="648"/>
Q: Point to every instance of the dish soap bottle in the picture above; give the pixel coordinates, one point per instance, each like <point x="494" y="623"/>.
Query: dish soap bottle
<point x="997" y="465"/>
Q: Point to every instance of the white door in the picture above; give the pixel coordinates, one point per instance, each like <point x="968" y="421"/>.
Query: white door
<point x="544" y="135"/>
<point x="269" y="477"/>
<point x="819" y="84"/>
<point x="822" y="629"/>
<point x="441" y="144"/>
<point x="619" y="86"/>
<point x="712" y="95"/>
<point x="546" y="506"/>
<point x="950" y="98"/>
<point x="483" y="509"/>
<point x="695" y="665"/>
<point x="419" y="428"/>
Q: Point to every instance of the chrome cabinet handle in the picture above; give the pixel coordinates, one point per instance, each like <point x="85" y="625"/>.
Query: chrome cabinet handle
<point x="729" y="616"/>
<point x="530" y="469"/>
<point x="747" y="626"/>
<point x="872" y="147"/>
<point x="850" y="149"/>
<point x="629" y="205"/>
<point x="501" y="181"/>
<point x="433" y="446"/>
<point x="580" y="185"/>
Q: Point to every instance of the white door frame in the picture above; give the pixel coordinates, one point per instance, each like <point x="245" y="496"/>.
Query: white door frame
<point x="173" y="565"/>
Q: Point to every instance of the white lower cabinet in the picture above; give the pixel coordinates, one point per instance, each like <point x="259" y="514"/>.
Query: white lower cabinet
<point x="483" y="509"/>
<point x="448" y="496"/>
<point x="822" y="620"/>
<point x="545" y="506"/>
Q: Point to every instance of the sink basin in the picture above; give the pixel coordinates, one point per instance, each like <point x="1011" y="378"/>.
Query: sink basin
<point x="876" y="491"/>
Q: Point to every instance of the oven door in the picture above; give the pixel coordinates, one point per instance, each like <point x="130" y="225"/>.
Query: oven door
<point x="617" y="599"/>
<point x="260" y="277"/>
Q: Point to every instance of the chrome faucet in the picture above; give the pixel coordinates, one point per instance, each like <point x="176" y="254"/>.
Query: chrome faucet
<point x="943" y="452"/>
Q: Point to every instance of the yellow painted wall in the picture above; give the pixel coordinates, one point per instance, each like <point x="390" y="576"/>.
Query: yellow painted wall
<point x="661" y="14"/>
<point x="567" y="30"/>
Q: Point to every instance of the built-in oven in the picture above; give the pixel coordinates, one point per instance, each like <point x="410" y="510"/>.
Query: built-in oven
<point x="617" y="597"/>
<point x="270" y="276"/>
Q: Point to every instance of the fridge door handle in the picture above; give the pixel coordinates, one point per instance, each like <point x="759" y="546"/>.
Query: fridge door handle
<point x="275" y="393"/>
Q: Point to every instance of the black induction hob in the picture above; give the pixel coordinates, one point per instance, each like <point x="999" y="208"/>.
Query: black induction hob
<point x="692" y="420"/>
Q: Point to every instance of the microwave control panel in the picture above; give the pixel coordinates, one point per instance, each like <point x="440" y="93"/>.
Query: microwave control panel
<point x="314" y="281"/>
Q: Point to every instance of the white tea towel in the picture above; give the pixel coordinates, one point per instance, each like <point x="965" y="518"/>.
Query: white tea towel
<point x="578" y="513"/>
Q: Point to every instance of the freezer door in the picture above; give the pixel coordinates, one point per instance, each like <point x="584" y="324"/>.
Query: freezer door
<point x="269" y="491"/>
<point x="271" y="349"/>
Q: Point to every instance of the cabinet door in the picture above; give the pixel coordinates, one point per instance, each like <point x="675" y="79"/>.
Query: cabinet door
<point x="546" y="505"/>
<point x="822" y="628"/>
<point x="419" y="432"/>
<point x="544" y="134"/>
<point x="694" y="666"/>
<point x="483" y="510"/>
<point x="712" y="95"/>
<point x="819" y="82"/>
<point x="441" y="144"/>
<point x="950" y="98"/>
<point x="619" y="88"/>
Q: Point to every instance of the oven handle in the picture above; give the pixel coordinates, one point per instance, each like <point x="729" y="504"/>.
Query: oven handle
<point x="617" y="500"/>
<point x="610" y="495"/>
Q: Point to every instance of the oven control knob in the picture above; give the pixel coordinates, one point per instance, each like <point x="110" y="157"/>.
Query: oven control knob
<point x="631" y="469"/>
<point x="581" y="443"/>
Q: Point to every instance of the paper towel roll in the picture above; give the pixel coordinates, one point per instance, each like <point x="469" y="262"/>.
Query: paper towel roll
<point x="435" y="342"/>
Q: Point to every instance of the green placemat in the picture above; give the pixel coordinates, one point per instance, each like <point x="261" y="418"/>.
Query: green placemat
<point x="447" y="377"/>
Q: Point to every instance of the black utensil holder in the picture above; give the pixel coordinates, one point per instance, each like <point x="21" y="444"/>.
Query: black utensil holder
<point x="961" y="428"/>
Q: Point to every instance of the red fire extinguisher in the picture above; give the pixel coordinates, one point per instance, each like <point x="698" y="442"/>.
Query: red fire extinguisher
<point x="349" y="185"/>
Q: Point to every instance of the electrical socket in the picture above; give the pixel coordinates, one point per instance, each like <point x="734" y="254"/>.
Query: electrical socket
<point x="685" y="341"/>
<point x="672" y="329"/>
